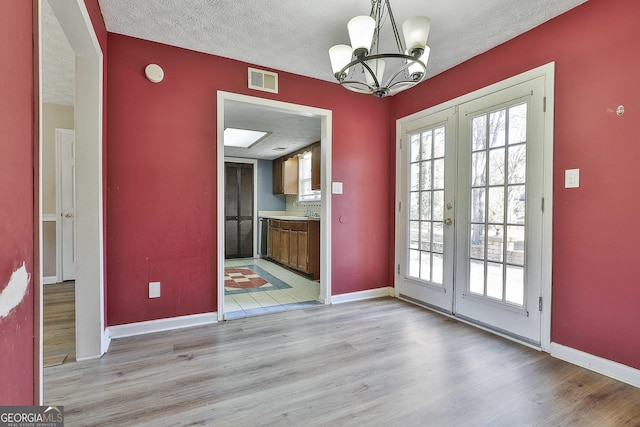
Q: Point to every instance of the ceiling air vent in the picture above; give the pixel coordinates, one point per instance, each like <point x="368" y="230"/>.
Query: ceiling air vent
<point x="263" y="80"/>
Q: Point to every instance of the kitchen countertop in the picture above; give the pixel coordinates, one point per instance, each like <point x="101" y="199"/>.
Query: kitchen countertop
<point x="285" y="216"/>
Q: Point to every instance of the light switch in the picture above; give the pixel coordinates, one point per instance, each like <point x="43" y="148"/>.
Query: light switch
<point x="336" y="188"/>
<point x="154" y="289"/>
<point x="572" y="178"/>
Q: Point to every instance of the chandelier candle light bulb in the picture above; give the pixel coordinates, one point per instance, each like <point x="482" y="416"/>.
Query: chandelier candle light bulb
<point x="361" y="30"/>
<point x="362" y="68"/>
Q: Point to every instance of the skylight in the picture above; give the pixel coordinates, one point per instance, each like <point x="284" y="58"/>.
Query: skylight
<point x="242" y="138"/>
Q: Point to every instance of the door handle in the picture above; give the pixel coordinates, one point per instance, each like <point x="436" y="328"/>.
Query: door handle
<point x="448" y="221"/>
<point x="68" y="215"/>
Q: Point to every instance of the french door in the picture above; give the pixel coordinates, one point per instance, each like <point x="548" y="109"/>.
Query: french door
<point x="470" y="233"/>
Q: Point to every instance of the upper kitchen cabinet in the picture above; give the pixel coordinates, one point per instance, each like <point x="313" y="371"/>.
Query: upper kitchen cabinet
<point x="285" y="176"/>
<point x="315" y="166"/>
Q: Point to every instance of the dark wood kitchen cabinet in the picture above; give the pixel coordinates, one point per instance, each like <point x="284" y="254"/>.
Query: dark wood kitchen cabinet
<point x="296" y="244"/>
<point x="285" y="176"/>
<point x="315" y="166"/>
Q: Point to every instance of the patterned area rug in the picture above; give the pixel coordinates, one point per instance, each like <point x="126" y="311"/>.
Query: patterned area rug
<point x="252" y="278"/>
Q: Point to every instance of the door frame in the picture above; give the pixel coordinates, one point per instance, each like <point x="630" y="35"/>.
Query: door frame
<point x="325" y="175"/>
<point x="547" y="71"/>
<point x="253" y="162"/>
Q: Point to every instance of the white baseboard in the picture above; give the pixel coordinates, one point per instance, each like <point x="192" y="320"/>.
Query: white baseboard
<point x="106" y="341"/>
<point x="597" y="364"/>
<point x="151" y="326"/>
<point x="49" y="280"/>
<point x="82" y="359"/>
<point x="362" y="295"/>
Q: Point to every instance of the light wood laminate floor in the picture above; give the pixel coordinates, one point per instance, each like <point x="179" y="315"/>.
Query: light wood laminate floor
<point x="379" y="362"/>
<point x="59" y="323"/>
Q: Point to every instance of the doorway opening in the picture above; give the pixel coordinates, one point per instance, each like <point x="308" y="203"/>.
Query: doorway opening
<point x="87" y="62"/>
<point x="249" y="285"/>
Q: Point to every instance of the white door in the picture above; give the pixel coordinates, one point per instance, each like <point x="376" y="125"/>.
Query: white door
<point x="473" y="247"/>
<point x="430" y="158"/>
<point x="67" y="197"/>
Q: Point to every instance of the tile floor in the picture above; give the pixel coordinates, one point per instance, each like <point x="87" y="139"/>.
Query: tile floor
<point x="302" y="292"/>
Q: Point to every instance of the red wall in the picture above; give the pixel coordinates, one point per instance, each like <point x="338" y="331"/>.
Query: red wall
<point x="161" y="201"/>
<point x="16" y="198"/>
<point x="596" y="47"/>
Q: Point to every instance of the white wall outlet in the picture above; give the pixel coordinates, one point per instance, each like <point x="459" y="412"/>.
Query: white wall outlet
<point x="572" y="178"/>
<point x="154" y="289"/>
<point x="336" y="188"/>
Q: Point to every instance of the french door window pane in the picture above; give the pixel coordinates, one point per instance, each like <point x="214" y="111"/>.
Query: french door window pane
<point x="438" y="205"/>
<point x="494" y="280"/>
<point x="515" y="285"/>
<point x="414" y="208"/>
<point x="414" y="234"/>
<point x="515" y="245"/>
<point x="425" y="265"/>
<point x="476" y="277"/>
<point x="516" y="206"/>
<point x="438" y="271"/>
<point x="497" y="129"/>
<point x="414" y="263"/>
<point x="415" y="177"/>
<point x="478" y="169"/>
<point x="425" y="235"/>
<point x="517" y="164"/>
<point x="479" y="133"/>
<point x="477" y="205"/>
<point x="425" y="205"/>
<point x="496" y="166"/>
<point x="518" y="124"/>
<point x="438" y="142"/>
<point x="438" y="174"/>
<point x="425" y="176"/>
<point x="496" y="204"/>
<point x="415" y="148"/>
<point x="426" y="145"/>
<point x="477" y="241"/>
<point x="495" y="244"/>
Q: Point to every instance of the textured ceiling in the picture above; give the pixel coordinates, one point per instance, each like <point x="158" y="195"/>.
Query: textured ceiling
<point x="58" y="61"/>
<point x="289" y="131"/>
<point x="292" y="36"/>
<point x="295" y="35"/>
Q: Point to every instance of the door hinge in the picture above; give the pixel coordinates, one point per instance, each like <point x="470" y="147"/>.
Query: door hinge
<point x="539" y="303"/>
<point x="542" y="204"/>
<point x="401" y="143"/>
<point x="544" y="104"/>
<point x="398" y="268"/>
<point x="399" y="206"/>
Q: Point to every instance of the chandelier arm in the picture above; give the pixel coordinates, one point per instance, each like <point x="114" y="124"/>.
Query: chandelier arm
<point x="395" y="28"/>
<point x="404" y="68"/>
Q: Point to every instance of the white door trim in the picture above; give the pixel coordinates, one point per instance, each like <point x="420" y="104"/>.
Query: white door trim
<point x="253" y="162"/>
<point x="548" y="72"/>
<point x="325" y="173"/>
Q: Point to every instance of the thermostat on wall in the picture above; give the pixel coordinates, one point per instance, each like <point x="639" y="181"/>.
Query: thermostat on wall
<point x="154" y="73"/>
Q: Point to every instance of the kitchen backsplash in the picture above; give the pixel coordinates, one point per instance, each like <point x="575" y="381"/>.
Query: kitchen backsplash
<point x="303" y="208"/>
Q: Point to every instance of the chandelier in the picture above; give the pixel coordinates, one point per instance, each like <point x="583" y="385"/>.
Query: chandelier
<point x="362" y="68"/>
